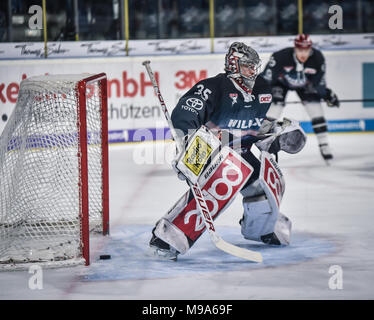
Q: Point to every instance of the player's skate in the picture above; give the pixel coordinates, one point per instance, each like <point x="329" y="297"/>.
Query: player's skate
<point x="326" y="153"/>
<point x="162" y="250"/>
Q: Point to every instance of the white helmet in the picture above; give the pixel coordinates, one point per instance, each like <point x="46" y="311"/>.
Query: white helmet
<point x="243" y="64"/>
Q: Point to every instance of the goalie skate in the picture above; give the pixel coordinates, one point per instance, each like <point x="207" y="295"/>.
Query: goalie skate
<point x="162" y="250"/>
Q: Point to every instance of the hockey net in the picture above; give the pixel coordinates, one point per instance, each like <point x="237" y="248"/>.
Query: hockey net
<point x="54" y="171"/>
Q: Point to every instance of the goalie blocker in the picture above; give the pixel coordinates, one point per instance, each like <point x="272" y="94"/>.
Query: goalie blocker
<point x="221" y="180"/>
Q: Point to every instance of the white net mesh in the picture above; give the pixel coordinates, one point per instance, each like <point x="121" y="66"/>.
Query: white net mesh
<point x="39" y="172"/>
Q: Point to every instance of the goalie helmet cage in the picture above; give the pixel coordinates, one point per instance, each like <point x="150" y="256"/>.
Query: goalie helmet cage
<point x="54" y="171"/>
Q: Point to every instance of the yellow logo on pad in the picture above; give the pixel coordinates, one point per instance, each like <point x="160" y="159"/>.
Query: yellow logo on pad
<point x="197" y="155"/>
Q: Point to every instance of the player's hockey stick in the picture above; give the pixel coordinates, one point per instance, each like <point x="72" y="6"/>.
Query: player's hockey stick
<point x="196" y="190"/>
<point x="341" y="101"/>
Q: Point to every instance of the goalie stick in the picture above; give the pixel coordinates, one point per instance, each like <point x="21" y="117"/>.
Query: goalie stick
<point x="196" y="190"/>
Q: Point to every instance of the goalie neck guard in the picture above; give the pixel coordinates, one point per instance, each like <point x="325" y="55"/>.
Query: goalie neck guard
<point x="242" y="64"/>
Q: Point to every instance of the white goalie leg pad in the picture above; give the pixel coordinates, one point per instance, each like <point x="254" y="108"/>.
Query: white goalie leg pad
<point x="168" y="232"/>
<point x="283" y="228"/>
<point x="260" y="220"/>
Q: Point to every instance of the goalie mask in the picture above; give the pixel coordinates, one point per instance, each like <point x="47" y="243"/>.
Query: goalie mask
<point x="243" y="64"/>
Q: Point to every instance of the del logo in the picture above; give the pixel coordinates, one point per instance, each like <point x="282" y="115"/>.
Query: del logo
<point x="196" y="155"/>
<point x="265" y="98"/>
<point x="234" y="97"/>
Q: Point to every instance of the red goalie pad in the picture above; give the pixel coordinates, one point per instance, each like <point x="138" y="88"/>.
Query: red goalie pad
<point x="220" y="182"/>
<point x="272" y="180"/>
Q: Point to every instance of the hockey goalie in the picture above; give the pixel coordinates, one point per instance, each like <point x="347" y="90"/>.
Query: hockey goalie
<point x="221" y="119"/>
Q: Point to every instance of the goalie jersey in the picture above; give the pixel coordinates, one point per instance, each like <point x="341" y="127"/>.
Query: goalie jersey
<point x="221" y="101"/>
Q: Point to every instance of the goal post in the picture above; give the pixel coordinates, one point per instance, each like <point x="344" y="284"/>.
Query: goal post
<point x="82" y="91"/>
<point x="54" y="178"/>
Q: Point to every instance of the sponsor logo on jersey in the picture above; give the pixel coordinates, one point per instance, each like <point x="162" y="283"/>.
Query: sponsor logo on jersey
<point x="288" y="68"/>
<point x="265" y="98"/>
<point x="310" y="71"/>
<point x="234" y="97"/>
<point x="244" y="124"/>
<point x="189" y="109"/>
<point x="195" y="103"/>
<point x="196" y="155"/>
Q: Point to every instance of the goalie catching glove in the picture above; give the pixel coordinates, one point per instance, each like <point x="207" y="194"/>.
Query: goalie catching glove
<point x="287" y="135"/>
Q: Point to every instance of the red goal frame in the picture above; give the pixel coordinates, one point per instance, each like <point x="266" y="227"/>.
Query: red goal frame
<point x="83" y="159"/>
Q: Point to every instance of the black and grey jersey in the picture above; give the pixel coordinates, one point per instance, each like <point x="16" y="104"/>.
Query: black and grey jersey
<point x="221" y="101"/>
<point x="283" y="67"/>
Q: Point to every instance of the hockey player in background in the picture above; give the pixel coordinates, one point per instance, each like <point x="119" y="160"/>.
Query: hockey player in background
<point x="234" y="101"/>
<point x="301" y="68"/>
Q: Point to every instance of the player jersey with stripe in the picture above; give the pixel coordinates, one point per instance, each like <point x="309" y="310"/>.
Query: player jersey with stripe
<point x="283" y="67"/>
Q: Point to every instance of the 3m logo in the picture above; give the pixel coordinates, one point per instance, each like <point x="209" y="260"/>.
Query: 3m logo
<point x="265" y="98"/>
<point x="197" y="155"/>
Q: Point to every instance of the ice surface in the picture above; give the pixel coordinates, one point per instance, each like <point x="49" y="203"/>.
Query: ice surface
<point x="331" y="208"/>
<point x="131" y="259"/>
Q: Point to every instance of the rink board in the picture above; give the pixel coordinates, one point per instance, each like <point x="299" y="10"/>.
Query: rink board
<point x="158" y="134"/>
<point x="133" y="105"/>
